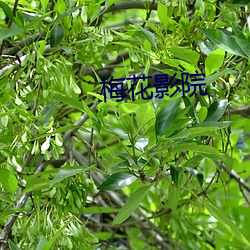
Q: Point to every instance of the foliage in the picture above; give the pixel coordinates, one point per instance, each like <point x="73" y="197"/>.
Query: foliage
<point x="156" y="173"/>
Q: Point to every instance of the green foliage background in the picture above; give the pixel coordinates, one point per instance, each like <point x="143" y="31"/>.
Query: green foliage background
<point x="80" y="173"/>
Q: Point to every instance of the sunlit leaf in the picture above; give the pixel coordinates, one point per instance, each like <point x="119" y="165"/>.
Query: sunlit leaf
<point x="117" y="181"/>
<point x="8" y="180"/>
<point x="216" y="110"/>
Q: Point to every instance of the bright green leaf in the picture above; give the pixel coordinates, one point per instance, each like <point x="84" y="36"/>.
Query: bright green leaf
<point x="214" y="61"/>
<point x="8" y="180"/>
<point x="185" y="54"/>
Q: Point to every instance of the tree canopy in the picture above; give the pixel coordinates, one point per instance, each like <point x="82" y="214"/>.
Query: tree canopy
<point x="124" y="124"/>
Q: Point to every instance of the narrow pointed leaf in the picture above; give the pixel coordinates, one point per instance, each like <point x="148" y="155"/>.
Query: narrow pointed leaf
<point x="132" y="203"/>
<point x="166" y="118"/>
<point x="56" y="35"/>
<point x="117" y="181"/>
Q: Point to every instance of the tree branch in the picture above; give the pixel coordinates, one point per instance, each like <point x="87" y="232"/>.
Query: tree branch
<point x="235" y="176"/>
<point x="20" y="203"/>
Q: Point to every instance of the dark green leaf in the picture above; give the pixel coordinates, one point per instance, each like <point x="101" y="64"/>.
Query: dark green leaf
<point x="174" y="172"/>
<point x="117" y="181"/>
<point x="245" y="2"/>
<point x="166" y="117"/>
<point x="216" y="110"/>
<point x="198" y="175"/>
<point x="56" y="35"/>
<point x="7" y="10"/>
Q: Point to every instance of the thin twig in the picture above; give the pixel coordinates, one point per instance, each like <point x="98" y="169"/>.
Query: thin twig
<point x="148" y="14"/>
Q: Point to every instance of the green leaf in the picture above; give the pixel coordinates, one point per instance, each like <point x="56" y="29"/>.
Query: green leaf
<point x="173" y="196"/>
<point x="198" y="175"/>
<point x="49" y="110"/>
<point x="49" y="244"/>
<point x="162" y="12"/>
<point x="212" y="78"/>
<point x="98" y="210"/>
<point x="245" y="2"/>
<point x="9" y="32"/>
<point x="41" y="243"/>
<point x="70" y="101"/>
<point x="13" y="246"/>
<point x="185" y="54"/>
<point x="214" y="61"/>
<point x="174" y="172"/>
<point x="204" y="150"/>
<point x="193" y="132"/>
<point x="194" y="161"/>
<point x="202" y="114"/>
<point x="147" y="35"/>
<point x="68" y="12"/>
<point x="35" y="184"/>
<point x="216" y="110"/>
<point x="8" y="180"/>
<point x="44" y="3"/>
<point x="132" y="203"/>
<point x="223" y="41"/>
<point x="66" y="172"/>
<point x="56" y="35"/>
<point x="219" y="125"/>
<point x="9" y="211"/>
<point x="227" y="223"/>
<point x="117" y="181"/>
<point x="7" y="10"/>
<point x="166" y="117"/>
